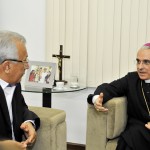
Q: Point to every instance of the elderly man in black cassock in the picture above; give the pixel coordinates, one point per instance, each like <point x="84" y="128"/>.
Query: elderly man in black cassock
<point x="136" y="87"/>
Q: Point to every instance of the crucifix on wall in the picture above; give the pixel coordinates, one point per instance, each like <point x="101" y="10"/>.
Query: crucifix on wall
<point x="60" y="59"/>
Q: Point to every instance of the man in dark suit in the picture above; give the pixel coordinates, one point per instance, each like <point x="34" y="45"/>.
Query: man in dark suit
<point x="16" y="119"/>
<point x="136" y="87"/>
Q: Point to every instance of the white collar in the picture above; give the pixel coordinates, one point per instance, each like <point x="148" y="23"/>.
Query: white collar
<point x="147" y="81"/>
<point x="3" y="84"/>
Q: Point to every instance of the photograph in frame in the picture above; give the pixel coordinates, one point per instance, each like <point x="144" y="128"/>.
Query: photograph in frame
<point x="40" y="74"/>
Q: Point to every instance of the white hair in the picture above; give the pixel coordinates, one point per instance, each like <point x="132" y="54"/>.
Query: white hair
<point x="8" y="48"/>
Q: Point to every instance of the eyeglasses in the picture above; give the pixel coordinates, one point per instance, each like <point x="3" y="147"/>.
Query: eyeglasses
<point x="22" y="61"/>
<point x="144" y="62"/>
<point x="25" y="62"/>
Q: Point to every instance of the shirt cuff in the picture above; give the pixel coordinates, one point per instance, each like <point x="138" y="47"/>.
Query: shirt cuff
<point x="94" y="98"/>
<point x="32" y="121"/>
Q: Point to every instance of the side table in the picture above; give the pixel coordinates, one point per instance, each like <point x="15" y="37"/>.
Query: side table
<point x="47" y="92"/>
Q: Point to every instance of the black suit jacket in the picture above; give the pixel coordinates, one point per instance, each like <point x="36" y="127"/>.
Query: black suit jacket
<point x="136" y="135"/>
<point x="20" y="112"/>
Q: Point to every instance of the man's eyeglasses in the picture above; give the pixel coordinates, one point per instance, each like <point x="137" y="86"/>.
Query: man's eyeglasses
<point x="25" y="62"/>
<point x="144" y="62"/>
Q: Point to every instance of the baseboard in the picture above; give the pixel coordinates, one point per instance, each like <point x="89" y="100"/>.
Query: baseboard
<point x="75" y="146"/>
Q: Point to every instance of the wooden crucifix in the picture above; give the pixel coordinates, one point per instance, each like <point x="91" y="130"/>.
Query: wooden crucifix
<point x="60" y="58"/>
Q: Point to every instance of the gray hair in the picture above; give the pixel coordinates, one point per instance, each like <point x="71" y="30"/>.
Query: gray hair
<point x="8" y="49"/>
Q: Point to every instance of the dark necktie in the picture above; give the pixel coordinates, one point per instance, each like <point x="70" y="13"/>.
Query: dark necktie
<point x="9" y="85"/>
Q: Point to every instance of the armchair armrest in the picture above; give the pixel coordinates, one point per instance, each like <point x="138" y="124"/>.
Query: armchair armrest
<point x="102" y="126"/>
<point x="52" y="132"/>
<point x="116" y="117"/>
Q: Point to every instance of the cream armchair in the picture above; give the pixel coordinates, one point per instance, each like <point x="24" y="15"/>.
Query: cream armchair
<point x="52" y="133"/>
<point x="104" y="128"/>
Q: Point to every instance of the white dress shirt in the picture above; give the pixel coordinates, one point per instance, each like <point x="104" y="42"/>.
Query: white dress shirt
<point x="9" y="91"/>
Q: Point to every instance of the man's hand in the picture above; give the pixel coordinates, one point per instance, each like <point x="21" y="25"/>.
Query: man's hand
<point x="98" y="104"/>
<point x="30" y="133"/>
<point x="12" y="145"/>
<point x="147" y="125"/>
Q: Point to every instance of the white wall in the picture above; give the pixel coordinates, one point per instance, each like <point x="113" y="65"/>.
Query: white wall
<point x="26" y="17"/>
<point x="75" y="105"/>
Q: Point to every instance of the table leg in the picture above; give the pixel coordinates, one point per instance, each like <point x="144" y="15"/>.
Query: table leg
<point x="47" y="100"/>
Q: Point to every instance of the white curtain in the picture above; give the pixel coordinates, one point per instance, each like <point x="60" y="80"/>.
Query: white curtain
<point x="101" y="36"/>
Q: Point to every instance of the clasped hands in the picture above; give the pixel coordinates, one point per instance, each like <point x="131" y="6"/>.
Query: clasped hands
<point x="30" y="133"/>
<point x="98" y="104"/>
